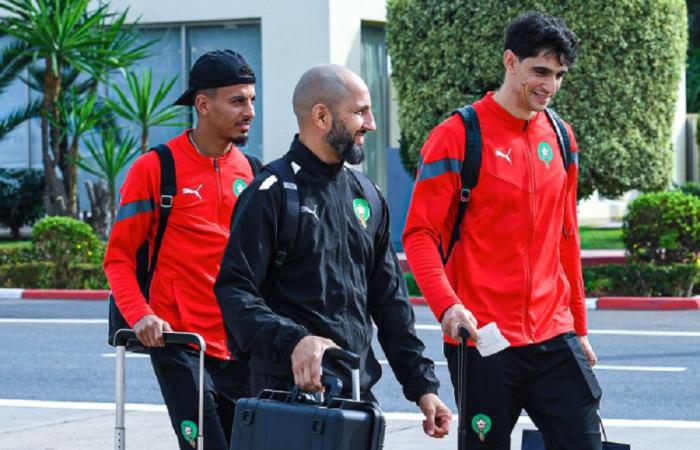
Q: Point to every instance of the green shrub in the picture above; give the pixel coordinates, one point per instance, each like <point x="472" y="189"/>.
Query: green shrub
<point x="645" y="280"/>
<point x="413" y="289"/>
<point x="21" y="193"/>
<point x="28" y="275"/>
<point x="445" y="54"/>
<point x="43" y="275"/>
<point x="663" y="228"/>
<point x="65" y="240"/>
<point x="11" y="255"/>
<point x="691" y="188"/>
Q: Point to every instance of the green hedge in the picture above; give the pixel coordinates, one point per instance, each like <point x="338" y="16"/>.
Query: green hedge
<point x="645" y="280"/>
<point x="620" y="96"/>
<point x="663" y="228"/>
<point x="43" y="275"/>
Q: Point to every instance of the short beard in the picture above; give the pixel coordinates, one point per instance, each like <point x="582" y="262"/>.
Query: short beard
<point x="240" y="141"/>
<point x="344" y="144"/>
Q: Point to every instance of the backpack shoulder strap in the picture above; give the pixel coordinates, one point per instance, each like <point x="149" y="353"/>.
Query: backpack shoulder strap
<point x="168" y="190"/>
<point x="469" y="174"/>
<point x="562" y="138"/>
<point x="255" y="163"/>
<point x="291" y="208"/>
<point x="369" y="190"/>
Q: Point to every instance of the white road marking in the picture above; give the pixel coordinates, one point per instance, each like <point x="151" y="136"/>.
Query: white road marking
<point x="599" y="367"/>
<point x="128" y="355"/>
<point x="392" y="416"/>
<point x="432" y="327"/>
<point x="57" y="321"/>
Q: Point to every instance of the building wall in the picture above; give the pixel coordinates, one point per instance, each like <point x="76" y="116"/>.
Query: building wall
<point x="295" y="36"/>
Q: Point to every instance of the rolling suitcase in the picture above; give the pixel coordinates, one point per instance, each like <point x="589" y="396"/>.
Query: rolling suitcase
<point x="282" y="420"/>
<point x="121" y="339"/>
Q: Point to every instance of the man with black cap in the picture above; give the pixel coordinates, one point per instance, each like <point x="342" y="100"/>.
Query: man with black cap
<point x="211" y="172"/>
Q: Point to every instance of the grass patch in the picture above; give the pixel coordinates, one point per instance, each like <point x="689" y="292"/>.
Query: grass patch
<point x="601" y="238"/>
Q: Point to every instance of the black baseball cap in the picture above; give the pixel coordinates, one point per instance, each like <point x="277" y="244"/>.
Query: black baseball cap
<point x="215" y="69"/>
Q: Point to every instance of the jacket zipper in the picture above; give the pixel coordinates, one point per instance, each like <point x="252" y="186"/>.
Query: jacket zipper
<point x="531" y="231"/>
<point x="218" y="184"/>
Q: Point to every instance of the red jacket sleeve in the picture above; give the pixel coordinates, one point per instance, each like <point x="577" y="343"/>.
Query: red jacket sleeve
<point x="132" y="227"/>
<point x="435" y="192"/>
<point x="570" y="246"/>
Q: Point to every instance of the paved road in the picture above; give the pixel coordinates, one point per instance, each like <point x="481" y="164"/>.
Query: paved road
<point x="57" y="351"/>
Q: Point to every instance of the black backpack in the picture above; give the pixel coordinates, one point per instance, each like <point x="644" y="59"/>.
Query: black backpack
<point x="282" y="169"/>
<point x="472" y="164"/>
<point x="144" y="269"/>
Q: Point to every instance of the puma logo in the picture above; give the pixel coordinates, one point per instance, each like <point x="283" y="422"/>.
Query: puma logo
<point x="505" y="156"/>
<point x="193" y="191"/>
<point x="306" y="209"/>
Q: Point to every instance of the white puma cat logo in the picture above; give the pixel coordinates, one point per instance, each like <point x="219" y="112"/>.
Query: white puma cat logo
<point x="193" y="191"/>
<point x="505" y="156"/>
<point x="306" y="209"/>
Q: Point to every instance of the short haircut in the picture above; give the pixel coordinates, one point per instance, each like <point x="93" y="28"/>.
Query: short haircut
<point x="535" y="32"/>
<point x="324" y="84"/>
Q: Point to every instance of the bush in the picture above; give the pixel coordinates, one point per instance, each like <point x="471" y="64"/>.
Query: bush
<point x="12" y="255"/>
<point x="445" y="54"/>
<point x="65" y="241"/>
<point x="43" y="275"/>
<point x="20" y="198"/>
<point x="646" y="280"/>
<point x="691" y="188"/>
<point x="663" y="228"/>
<point x="28" y="275"/>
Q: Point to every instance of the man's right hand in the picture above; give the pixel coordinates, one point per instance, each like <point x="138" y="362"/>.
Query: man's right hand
<point x="149" y="330"/>
<point x="306" y="362"/>
<point x="458" y="316"/>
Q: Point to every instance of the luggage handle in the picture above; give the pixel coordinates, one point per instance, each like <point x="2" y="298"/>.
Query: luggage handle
<point x="462" y="388"/>
<point x="353" y="360"/>
<point x="121" y="338"/>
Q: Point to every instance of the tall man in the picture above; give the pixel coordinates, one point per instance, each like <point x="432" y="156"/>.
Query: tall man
<point x="518" y="261"/>
<point x="210" y="173"/>
<point x="339" y="274"/>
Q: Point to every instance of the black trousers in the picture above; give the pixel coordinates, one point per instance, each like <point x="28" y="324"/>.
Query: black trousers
<point x="552" y="381"/>
<point x="177" y="369"/>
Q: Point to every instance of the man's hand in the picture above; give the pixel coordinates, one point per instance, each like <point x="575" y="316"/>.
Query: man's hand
<point x="437" y="416"/>
<point x="588" y="350"/>
<point x="454" y="317"/>
<point x="306" y="362"/>
<point x="149" y="329"/>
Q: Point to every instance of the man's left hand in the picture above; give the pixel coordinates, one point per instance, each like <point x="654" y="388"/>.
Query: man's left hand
<point x="437" y="416"/>
<point x="588" y="350"/>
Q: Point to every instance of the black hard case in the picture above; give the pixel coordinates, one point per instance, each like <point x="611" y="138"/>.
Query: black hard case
<point x="283" y="420"/>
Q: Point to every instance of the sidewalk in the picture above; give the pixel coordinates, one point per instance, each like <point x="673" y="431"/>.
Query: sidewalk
<point x="67" y="429"/>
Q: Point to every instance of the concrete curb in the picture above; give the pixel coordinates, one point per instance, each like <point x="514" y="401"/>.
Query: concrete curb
<point x="625" y="303"/>
<point x="53" y="294"/>
<point x="602" y="303"/>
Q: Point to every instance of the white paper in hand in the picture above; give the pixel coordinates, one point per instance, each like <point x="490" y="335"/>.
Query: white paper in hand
<point x="491" y="341"/>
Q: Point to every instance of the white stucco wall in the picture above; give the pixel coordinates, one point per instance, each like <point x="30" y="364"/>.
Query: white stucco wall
<point x="295" y="35"/>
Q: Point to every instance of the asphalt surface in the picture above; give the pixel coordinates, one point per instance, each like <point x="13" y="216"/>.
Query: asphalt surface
<point x="56" y="351"/>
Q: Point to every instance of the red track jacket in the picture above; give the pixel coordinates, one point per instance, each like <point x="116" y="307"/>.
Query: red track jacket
<point x="518" y="260"/>
<point x="182" y="290"/>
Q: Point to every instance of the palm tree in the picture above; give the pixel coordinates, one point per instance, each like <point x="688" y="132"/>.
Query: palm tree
<point x="13" y="60"/>
<point x="65" y="34"/>
<point x="109" y="158"/>
<point x="143" y="109"/>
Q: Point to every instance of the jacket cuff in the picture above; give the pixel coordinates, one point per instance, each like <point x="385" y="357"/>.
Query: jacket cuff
<point x="288" y="340"/>
<point x="425" y="383"/>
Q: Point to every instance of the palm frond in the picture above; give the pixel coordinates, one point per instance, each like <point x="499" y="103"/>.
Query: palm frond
<point x="17" y="117"/>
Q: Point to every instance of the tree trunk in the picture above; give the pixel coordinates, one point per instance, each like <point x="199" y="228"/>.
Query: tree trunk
<point x="54" y="193"/>
<point x="99" y="197"/>
<point x="144" y="140"/>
